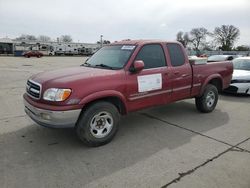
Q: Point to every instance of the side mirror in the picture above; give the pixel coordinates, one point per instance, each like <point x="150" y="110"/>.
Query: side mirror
<point x="138" y="65"/>
<point x="86" y="62"/>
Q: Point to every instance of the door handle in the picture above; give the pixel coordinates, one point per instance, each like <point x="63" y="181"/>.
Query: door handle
<point x="185" y="75"/>
<point x="176" y="73"/>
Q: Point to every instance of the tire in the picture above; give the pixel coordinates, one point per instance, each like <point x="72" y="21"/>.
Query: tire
<point x="93" y="134"/>
<point x="208" y="101"/>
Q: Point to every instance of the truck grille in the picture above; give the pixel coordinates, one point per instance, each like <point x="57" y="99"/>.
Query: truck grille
<point x="33" y="89"/>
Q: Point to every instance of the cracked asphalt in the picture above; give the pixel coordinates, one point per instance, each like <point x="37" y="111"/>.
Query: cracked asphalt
<point x="166" y="146"/>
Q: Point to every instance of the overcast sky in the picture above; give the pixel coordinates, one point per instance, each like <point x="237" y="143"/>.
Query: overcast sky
<point x="86" y="20"/>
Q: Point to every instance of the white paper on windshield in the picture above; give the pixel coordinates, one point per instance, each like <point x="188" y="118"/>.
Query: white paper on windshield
<point x="149" y="82"/>
<point x="127" y="47"/>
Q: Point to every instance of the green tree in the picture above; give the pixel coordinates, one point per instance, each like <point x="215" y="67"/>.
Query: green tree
<point x="242" y="48"/>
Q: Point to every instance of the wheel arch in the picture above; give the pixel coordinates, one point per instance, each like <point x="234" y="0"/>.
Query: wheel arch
<point x="113" y="97"/>
<point x="215" y="80"/>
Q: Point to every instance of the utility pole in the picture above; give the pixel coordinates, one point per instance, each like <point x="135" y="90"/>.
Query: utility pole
<point x="101" y="40"/>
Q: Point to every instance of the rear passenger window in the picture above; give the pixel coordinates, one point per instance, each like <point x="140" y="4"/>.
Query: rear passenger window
<point x="176" y="54"/>
<point x="152" y="55"/>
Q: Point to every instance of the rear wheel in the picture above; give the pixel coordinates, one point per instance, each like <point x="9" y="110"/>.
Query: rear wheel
<point x="208" y="101"/>
<point x="98" y="124"/>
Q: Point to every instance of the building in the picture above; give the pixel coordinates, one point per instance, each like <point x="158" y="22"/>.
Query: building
<point x="6" y="46"/>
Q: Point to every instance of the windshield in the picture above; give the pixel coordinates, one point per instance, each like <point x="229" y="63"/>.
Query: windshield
<point x="111" y="57"/>
<point x="241" y="64"/>
<point x="217" y="58"/>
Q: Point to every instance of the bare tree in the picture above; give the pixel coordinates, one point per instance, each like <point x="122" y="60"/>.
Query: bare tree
<point x="66" y="38"/>
<point x="44" y="38"/>
<point x="183" y="38"/>
<point x="198" y="37"/>
<point x="225" y="36"/>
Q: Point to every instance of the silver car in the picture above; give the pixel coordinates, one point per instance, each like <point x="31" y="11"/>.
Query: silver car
<point x="241" y="76"/>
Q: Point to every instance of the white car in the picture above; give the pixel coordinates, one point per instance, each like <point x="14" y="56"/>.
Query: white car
<point x="241" y="76"/>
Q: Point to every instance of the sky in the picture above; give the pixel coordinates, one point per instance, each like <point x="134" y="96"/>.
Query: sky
<point x="116" y="20"/>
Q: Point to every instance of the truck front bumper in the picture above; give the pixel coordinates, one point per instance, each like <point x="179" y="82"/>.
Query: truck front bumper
<point x="52" y="119"/>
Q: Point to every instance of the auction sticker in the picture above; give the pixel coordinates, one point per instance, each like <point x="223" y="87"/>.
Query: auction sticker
<point x="149" y="82"/>
<point x="128" y="47"/>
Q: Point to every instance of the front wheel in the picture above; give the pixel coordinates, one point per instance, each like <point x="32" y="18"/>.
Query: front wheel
<point x="98" y="124"/>
<point x="208" y="101"/>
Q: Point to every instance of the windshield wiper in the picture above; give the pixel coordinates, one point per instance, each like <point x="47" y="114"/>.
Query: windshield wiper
<point x="104" y="66"/>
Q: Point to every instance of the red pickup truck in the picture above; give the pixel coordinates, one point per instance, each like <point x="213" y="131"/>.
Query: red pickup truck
<point x="119" y="78"/>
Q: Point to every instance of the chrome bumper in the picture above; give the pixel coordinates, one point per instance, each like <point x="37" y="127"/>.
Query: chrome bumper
<point x="52" y="119"/>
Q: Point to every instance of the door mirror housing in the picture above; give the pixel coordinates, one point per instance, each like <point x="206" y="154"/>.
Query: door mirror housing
<point x="138" y="66"/>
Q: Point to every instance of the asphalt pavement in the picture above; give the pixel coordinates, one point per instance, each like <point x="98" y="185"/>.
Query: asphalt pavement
<point x="167" y="146"/>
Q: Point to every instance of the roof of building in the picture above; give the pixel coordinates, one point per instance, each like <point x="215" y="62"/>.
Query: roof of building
<point x="5" y="40"/>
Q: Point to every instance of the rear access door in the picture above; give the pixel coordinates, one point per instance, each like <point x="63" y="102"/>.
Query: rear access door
<point x="181" y="72"/>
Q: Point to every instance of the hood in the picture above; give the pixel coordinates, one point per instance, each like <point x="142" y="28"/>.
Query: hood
<point x="241" y="75"/>
<point x="67" y="75"/>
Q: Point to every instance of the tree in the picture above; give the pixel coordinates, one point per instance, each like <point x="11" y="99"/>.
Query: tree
<point x="225" y="36"/>
<point x="242" y="48"/>
<point x="44" y="38"/>
<point x="31" y="37"/>
<point x="183" y="38"/>
<point x="198" y="37"/>
<point x="66" y="38"/>
<point x="27" y="37"/>
<point x="106" y="42"/>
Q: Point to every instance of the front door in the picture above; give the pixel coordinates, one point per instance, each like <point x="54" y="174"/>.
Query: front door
<point x="151" y="86"/>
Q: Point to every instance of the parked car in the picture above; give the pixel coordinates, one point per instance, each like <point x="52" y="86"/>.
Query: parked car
<point x="241" y="76"/>
<point x="32" y="54"/>
<point x="217" y="58"/>
<point x="120" y="78"/>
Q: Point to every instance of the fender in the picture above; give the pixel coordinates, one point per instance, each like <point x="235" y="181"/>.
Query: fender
<point x="208" y="79"/>
<point x="103" y="94"/>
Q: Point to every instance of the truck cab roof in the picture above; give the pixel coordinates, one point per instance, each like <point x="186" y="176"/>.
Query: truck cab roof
<point x="141" y="42"/>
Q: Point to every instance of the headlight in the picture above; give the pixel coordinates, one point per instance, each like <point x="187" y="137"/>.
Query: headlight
<point x="55" y="94"/>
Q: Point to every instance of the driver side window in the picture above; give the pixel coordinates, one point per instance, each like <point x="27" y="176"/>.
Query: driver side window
<point x="152" y="55"/>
